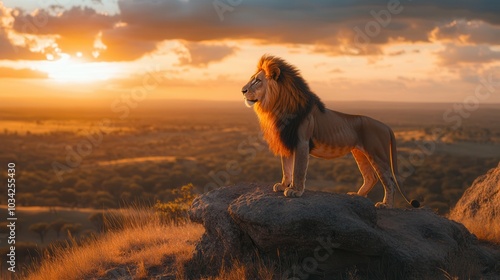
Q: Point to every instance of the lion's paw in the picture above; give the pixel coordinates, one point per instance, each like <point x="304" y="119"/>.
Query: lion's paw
<point x="290" y="192"/>
<point x="382" y="205"/>
<point x="278" y="187"/>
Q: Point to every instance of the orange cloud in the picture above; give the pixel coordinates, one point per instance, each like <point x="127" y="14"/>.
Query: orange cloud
<point x="9" y="50"/>
<point x="459" y="54"/>
<point x="465" y="31"/>
<point x="76" y="28"/>
<point x="24" y="73"/>
<point x="336" y="28"/>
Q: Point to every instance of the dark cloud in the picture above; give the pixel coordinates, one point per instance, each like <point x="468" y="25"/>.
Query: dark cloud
<point x="340" y="27"/>
<point x="201" y="54"/>
<point x="476" y="32"/>
<point x="77" y="27"/>
<point x="295" y="21"/>
<point x="21" y="73"/>
<point x="122" y="47"/>
<point x="335" y="27"/>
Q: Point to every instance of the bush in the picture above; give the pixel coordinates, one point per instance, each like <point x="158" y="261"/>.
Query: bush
<point x="176" y="211"/>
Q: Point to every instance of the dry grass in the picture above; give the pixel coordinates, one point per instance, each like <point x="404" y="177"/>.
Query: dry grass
<point x="145" y="244"/>
<point x="147" y="249"/>
<point x="255" y="270"/>
<point x="483" y="228"/>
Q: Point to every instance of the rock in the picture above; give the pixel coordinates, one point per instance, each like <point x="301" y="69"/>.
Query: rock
<point x="479" y="207"/>
<point x="323" y="235"/>
<point x="118" y="273"/>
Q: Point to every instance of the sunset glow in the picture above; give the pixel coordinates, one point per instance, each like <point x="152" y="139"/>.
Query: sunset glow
<point x="73" y="70"/>
<point x="358" y="52"/>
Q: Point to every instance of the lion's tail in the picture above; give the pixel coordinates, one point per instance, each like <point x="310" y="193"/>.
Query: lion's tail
<point x="394" y="168"/>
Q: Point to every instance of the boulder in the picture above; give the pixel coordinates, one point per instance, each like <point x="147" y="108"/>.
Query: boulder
<point x="479" y="207"/>
<point x="323" y="235"/>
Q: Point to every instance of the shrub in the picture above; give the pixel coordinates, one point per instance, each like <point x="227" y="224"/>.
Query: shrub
<point x="176" y="211"/>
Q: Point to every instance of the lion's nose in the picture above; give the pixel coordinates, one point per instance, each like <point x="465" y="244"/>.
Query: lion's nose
<point x="244" y="90"/>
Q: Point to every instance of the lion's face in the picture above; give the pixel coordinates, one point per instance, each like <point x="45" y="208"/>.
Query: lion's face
<point x="255" y="90"/>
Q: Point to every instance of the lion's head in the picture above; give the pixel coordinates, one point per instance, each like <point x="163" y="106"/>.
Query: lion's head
<point x="276" y="85"/>
<point x="282" y="100"/>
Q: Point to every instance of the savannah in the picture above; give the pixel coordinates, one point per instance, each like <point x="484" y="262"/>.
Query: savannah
<point x="139" y="175"/>
<point x="120" y="119"/>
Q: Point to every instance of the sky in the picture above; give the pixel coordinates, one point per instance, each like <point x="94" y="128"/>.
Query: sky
<point x="402" y="51"/>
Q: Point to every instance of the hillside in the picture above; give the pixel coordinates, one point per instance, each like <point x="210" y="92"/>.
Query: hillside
<point x="249" y="232"/>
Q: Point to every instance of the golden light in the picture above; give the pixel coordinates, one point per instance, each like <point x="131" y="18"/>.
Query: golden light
<point x="69" y="69"/>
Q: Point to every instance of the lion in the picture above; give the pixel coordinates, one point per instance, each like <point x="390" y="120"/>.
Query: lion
<point x="296" y="124"/>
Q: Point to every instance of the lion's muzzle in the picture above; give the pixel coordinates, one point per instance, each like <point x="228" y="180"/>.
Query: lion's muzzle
<point x="250" y="103"/>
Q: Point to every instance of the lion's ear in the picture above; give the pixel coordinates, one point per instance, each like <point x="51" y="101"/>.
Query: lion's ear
<point x="275" y="73"/>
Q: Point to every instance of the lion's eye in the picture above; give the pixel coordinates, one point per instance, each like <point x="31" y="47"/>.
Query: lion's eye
<point x="256" y="81"/>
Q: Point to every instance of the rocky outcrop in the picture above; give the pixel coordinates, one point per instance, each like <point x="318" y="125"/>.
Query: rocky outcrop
<point x="479" y="207"/>
<point x="323" y="235"/>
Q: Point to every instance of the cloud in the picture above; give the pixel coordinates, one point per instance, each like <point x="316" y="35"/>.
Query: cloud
<point x="331" y="27"/>
<point x="24" y="73"/>
<point x="283" y="21"/>
<point x="336" y="71"/>
<point x="9" y="51"/>
<point x="341" y="27"/>
<point x="465" y="31"/>
<point x="121" y="47"/>
<point x="201" y="54"/>
<point x="76" y="28"/>
<point x="397" y="53"/>
<point x="459" y="54"/>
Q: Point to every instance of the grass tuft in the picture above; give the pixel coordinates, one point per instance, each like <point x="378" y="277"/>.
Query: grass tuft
<point x="144" y="246"/>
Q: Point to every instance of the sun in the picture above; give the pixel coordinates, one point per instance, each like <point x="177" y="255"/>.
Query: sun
<point x="74" y="69"/>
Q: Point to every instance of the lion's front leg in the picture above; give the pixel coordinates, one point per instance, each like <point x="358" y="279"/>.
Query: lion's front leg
<point x="301" y="161"/>
<point x="287" y="167"/>
<point x="301" y="158"/>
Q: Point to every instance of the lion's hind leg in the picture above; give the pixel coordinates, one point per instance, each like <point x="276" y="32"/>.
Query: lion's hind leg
<point x="383" y="170"/>
<point x="367" y="171"/>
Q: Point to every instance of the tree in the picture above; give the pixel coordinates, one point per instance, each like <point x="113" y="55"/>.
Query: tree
<point x="40" y="228"/>
<point x="114" y="185"/>
<point x="82" y="186"/>
<point x="68" y="196"/>
<point x="177" y="210"/>
<point x="57" y="226"/>
<point x="72" y="229"/>
<point x="98" y="220"/>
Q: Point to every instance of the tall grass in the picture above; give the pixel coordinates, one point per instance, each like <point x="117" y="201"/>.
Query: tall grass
<point x="143" y="246"/>
<point x="482" y="227"/>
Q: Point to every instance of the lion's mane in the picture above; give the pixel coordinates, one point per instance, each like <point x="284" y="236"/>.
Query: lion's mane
<point x="287" y="103"/>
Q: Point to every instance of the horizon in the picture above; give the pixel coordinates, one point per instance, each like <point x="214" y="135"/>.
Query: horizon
<point x="105" y="103"/>
<point x="395" y="51"/>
